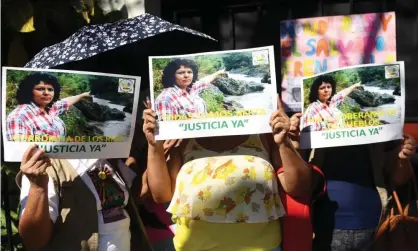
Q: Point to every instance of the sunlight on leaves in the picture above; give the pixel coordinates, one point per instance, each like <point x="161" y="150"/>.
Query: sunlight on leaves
<point x="28" y="26"/>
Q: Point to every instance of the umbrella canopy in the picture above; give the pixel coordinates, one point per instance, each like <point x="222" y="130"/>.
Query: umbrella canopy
<point x="95" y="39"/>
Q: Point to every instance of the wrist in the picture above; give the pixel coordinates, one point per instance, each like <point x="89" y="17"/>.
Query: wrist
<point x="39" y="184"/>
<point x="157" y="145"/>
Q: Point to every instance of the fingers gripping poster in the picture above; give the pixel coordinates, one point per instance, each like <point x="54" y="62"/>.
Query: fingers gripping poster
<point x="69" y="114"/>
<point x="353" y="105"/>
<point x="213" y="93"/>
<point x="311" y="46"/>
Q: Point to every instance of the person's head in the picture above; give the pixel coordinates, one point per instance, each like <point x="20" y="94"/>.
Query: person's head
<point x="41" y="88"/>
<point x="322" y="89"/>
<point x="180" y="72"/>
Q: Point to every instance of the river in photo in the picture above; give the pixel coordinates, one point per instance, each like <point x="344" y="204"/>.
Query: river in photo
<point x="397" y="105"/>
<point x="113" y="127"/>
<point x="262" y="99"/>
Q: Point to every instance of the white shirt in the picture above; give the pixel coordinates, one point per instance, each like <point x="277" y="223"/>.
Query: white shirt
<point x="113" y="236"/>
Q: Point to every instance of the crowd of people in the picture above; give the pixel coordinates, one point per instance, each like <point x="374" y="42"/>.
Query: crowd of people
<point x="246" y="192"/>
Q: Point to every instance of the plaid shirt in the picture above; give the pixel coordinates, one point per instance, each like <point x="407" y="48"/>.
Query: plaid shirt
<point x="319" y="117"/>
<point x="28" y="119"/>
<point x="174" y="101"/>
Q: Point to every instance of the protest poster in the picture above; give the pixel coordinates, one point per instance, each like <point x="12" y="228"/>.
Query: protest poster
<point x="310" y="46"/>
<point x="353" y="105"/>
<point x="213" y="93"/>
<point x="69" y="114"/>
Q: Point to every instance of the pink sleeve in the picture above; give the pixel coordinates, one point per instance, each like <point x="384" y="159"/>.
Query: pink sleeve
<point x="337" y="100"/>
<point x="59" y="107"/>
<point x="200" y="86"/>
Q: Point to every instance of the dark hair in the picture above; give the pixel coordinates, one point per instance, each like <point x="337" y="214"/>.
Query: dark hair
<point x="24" y="93"/>
<point x="169" y="78"/>
<point x="313" y="94"/>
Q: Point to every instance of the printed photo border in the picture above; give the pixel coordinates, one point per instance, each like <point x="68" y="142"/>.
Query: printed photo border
<point x="358" y="135"/>
<point x="222" y="126"/>
<point x="13" y="151"/>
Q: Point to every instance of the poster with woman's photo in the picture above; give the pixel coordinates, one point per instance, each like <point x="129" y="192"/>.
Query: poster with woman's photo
<point x="353" y="105"/>
<point x="213" y="93"/>
<point x="69" y="114"/>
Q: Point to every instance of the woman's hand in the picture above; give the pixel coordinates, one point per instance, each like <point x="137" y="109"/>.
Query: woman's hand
<point x="280" y="123"/>
<point x="356" y="85"/>
<point x="408" y="147"/>
<point x="74" y="99"/>
<point x="150" y="123"/>
<point x="220" y="72"/>
<point x="34" y="165"/>
<point x="85" y="95"/>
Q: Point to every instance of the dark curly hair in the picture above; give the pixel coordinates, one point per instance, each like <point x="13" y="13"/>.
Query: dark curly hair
<point x="313" y="94"/>
<point x="24" y="91"/>
<point x="169" y="78"/>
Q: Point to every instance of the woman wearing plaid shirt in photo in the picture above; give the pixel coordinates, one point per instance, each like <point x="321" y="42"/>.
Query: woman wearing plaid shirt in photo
<point x="39" y="108"/>
<point x="181" y="90"/>
<point x="322" y="112"/>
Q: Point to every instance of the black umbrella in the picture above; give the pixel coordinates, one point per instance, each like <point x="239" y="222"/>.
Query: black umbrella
<point x="122" y="47"/>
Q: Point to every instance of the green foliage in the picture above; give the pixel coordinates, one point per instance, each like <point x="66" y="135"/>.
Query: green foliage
<point x="347" y="108"/>
<point x="208" y="64"/>
<point x="158" y="84"/>
<point x="74" y="123"/>
<point x="235" y="61"/>
<point x="10" y="169"/>
<point x="213" y="101"/>
<point x="72" y="84"/>
<point x="242" y="63"/>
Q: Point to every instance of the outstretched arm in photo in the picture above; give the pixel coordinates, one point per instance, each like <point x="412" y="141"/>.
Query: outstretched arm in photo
<point x="210" y="78"/>
<point x="74" y="99"/>
<point x="345" y="92"/>
<point x="338" y="99"/>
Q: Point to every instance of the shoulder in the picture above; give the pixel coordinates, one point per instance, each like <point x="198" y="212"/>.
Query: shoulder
<point x="60" y="103"/>
<point x="19" y="112"/>
<point x="312" y="107"/>
<point x="165" y="95"/>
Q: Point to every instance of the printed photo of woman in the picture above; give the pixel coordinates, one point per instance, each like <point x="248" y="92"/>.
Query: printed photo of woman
<point x="323" y="113"/>
<point x="39" y="108"/>
<point x="181" y="90"/>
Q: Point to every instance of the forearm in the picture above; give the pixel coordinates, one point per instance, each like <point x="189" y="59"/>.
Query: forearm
<point x="159" y="180"/>
<point x="35" y="227"/>
<point x="345" y="92"/>
<point x="297" y="173"/>
<point x="74" y="99"/>
<point x="210" y="78"/>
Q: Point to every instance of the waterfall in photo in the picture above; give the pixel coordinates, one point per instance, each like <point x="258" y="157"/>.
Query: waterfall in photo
<point x="256" y="99"/>
<point x="397" y="105"/>
<point x="113" y="127"/>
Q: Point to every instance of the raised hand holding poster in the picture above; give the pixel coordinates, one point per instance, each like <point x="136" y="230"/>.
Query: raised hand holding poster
<point x="69" y="114"/>
<point x="311" y="46"/>
<point x="213" y="93"/>
<point x="353" y="105"/>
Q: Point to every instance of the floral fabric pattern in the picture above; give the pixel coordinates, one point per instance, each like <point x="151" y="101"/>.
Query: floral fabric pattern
<point x="238" y="187"/>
